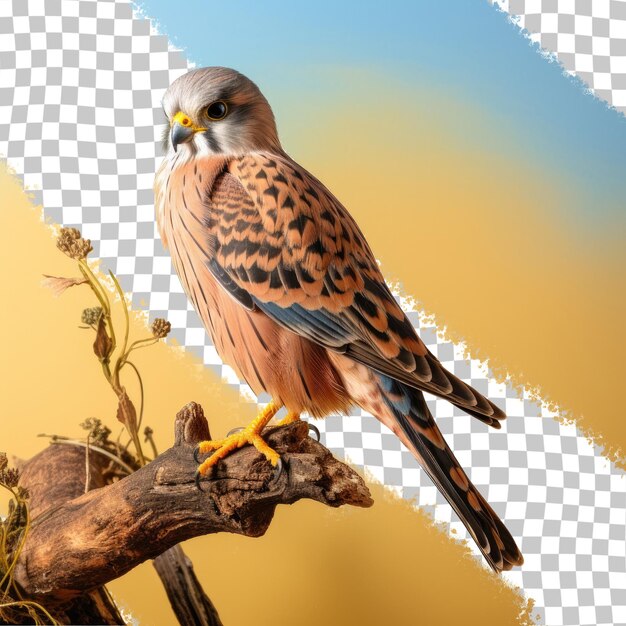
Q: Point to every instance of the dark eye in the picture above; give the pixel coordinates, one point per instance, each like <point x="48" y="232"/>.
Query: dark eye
<point x="217" y="110"/>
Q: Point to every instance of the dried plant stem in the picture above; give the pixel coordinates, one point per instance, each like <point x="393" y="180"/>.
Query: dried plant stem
<point x="120" y="362"/>
<point x="153" y="446"/>
<point x="112" y="358"/>
<point x="73" y="245"/>
<point x="87" y="472"/>
<point x="15" y="511"/>
<point x="113" y="377"/>
<point x="148" y="432"/>
<point x="8" y="575"/>
<point x="101" y="294"/>
<point x="3" y="529"/>
<point x="32" y="608"/>
<point x="141" y="395"/>
<point x="19" y="516"/>
<point x="137" y="443"/>
<point x="141" y="343"/>
<point x="82" y="444"/>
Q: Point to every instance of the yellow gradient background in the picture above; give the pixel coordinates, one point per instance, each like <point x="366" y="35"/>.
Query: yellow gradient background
<point x="487" y="244"/>
<point x="384" y="565"/>
<point x="495" y="247"/>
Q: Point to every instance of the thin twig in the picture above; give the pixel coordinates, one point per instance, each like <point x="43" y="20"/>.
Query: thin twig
<point x="150" y="439"/>
<point x="32" y="605"/>
<point x="120" y="361"/>
<point x="140" y="393"/>
<point x="74" y="442"/>
<point x="87" y="468"/>
<point x="8" y="575"/>
<point x="101" y="294"/>
<point x="141" y="343"/>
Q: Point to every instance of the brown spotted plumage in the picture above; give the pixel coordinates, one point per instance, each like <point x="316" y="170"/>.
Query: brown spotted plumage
<point x="290" y="292"/>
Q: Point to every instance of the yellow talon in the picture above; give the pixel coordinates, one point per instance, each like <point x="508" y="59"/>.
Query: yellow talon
<point x="251" y="434"/>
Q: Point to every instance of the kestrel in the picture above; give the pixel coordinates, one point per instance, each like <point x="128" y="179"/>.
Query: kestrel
<point x="291" y="294"/>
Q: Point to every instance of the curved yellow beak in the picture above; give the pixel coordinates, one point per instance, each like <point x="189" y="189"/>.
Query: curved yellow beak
<point x="182" y="129"/>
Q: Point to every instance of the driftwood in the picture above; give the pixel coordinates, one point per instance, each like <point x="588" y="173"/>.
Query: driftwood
<point x="78" y="544"/>
<point x="190" y="603"/>
<point x="96" y="606"/>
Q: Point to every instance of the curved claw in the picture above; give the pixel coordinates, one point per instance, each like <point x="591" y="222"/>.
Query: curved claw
<point x="196" y="452"/>
<point x="232" y="431"/>
<point x="314" y="429"/>
<point x="198" y="481"/>
<point x="278" y="470"/>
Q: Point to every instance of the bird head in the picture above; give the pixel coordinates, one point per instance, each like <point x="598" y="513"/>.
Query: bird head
<point x="216" y="111"/>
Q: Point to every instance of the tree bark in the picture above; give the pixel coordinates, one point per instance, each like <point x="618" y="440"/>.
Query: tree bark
<point x="73" y="473"/>
<point x="190" y="604"/>
<point x="80" y="544"/>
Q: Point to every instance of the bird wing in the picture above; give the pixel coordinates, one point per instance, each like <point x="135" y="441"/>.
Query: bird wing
<point x="281" y="242"/>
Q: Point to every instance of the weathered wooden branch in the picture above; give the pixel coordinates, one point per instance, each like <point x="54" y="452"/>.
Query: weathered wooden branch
<point x="47" y="491"/>
<point x="190" y="603"/>
<point x="85" y="542"/>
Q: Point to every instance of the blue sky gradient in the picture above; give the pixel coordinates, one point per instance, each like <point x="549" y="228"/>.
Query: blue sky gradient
<point x="467" y="51"/>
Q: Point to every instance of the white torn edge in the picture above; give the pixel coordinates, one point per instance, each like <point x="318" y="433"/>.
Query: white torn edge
<point x="552" y="56"/>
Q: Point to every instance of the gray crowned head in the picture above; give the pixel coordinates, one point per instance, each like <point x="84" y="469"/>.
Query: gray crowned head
<point x="218" y="111"/>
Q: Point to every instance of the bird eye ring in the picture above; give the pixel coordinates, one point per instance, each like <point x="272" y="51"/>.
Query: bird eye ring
<point x="217" y="110"/>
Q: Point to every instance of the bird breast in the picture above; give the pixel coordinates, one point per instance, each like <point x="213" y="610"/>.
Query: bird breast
<point x="270" y="358"/>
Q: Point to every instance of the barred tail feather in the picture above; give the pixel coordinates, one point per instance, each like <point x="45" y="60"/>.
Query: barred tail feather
<point x="426" y="442"/>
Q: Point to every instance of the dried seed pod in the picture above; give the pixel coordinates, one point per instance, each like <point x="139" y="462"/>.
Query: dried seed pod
<point x="161" y="328"/>
<point x="91" y="316"/>
<point x="102" y="345"/>
<point x="72" y="244"/>
<point x="10" y="477"/>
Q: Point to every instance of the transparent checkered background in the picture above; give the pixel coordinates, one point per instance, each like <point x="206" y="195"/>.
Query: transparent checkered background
<point x="588" y="37"/>
<point x="80" y="89"/>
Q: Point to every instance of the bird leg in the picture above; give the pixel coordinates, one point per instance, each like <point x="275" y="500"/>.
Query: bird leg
<point x="294" y="417"/>
<point x="289" y="419"/>
<point x="251" y="434"/>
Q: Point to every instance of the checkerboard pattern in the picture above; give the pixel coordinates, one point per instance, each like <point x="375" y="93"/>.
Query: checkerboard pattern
<point x="80" y="84"/>
<point x="588" y="37"/>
